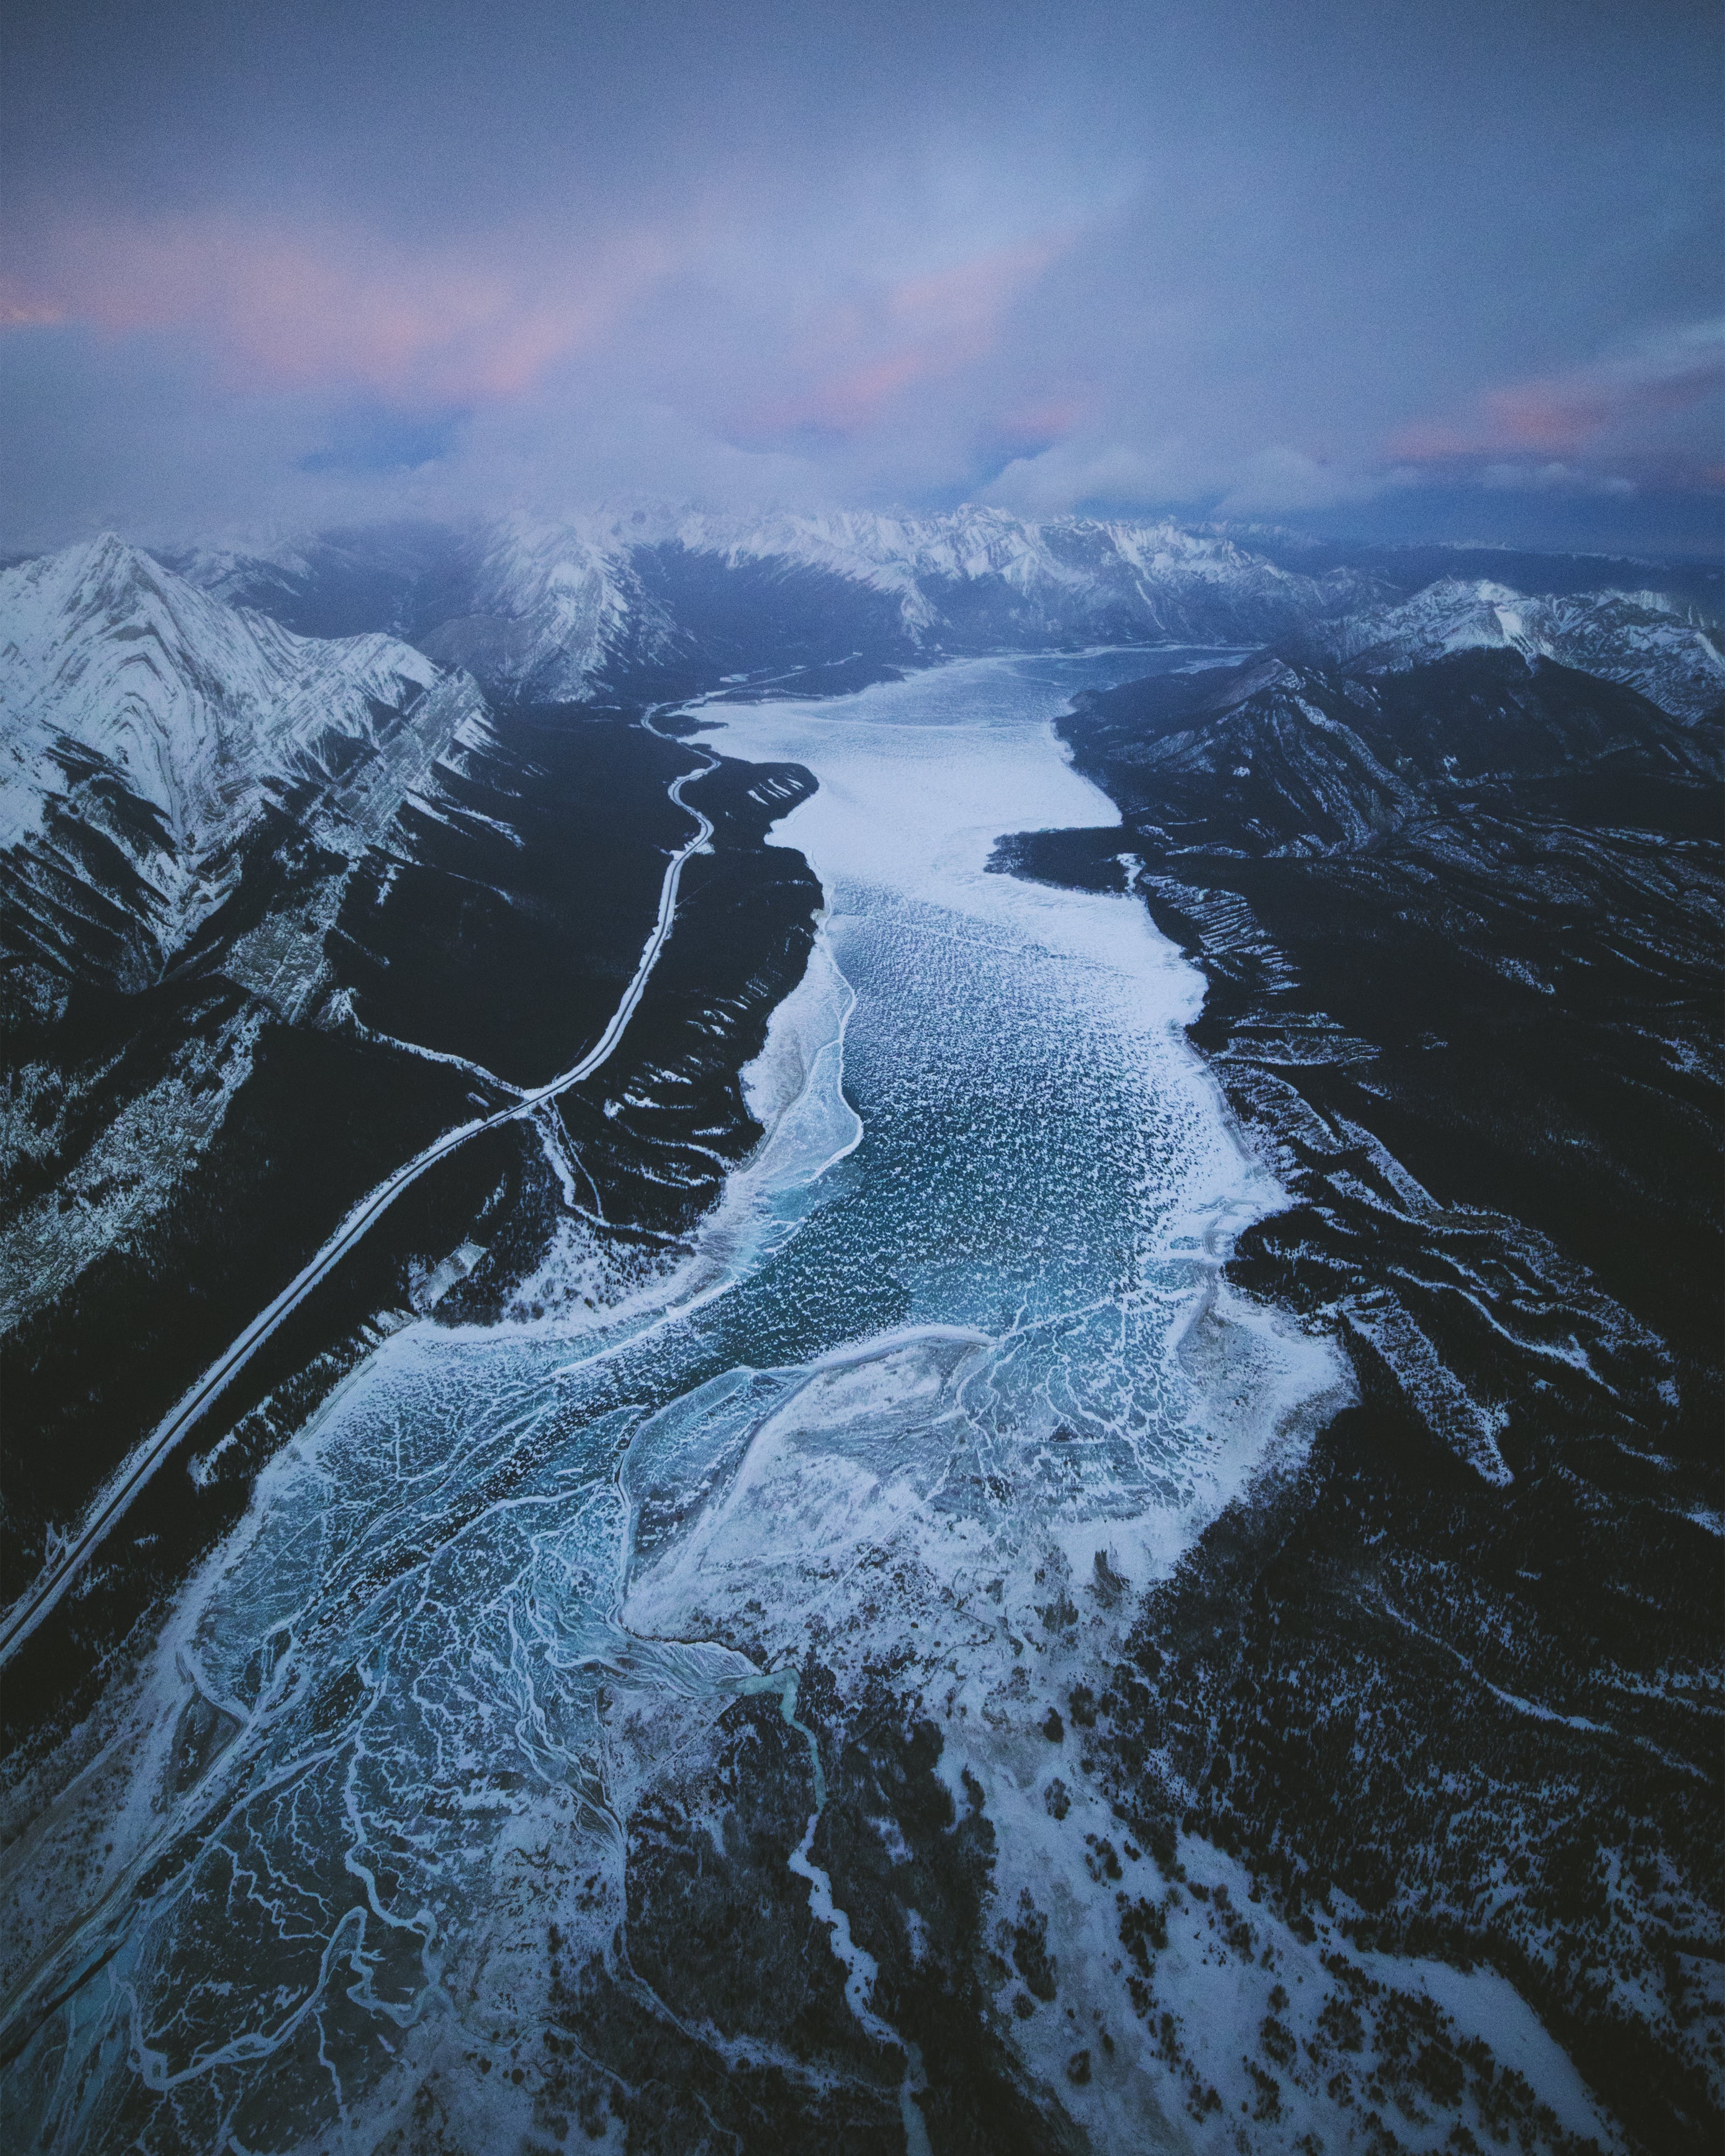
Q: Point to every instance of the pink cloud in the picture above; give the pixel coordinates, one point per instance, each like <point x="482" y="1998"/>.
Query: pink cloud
<point x="1049" y="421"/>
<point x="973" y="294"/>
<point x="1615" y="403"/>
<point x="333" y="307"/>
<point x="863" y="354"/>
<point x="20" y="310"/>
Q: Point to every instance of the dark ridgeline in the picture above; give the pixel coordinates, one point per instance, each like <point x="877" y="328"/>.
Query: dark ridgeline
<point x="1458" y="925"/>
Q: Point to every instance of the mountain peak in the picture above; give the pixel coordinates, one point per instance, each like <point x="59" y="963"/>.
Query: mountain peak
<point x="191" y="701"/>
<point x="1636" y="638"/>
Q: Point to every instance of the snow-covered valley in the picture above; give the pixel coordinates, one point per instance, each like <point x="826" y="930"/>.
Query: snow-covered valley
<point x="910" y="1378"/>
<point x="898" y="1476"/>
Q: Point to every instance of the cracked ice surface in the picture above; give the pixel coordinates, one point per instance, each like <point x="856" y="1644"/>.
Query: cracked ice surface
<point x="954" y="1331"/>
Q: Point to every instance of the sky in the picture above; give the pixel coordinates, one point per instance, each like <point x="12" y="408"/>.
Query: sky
<point x="1414" y="269"/>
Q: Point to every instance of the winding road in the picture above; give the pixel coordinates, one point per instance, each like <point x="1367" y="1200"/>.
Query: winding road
<point x="22" y="1618"/>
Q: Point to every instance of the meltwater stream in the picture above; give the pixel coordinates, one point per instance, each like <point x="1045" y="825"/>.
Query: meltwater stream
<point x="954" y="1344"/>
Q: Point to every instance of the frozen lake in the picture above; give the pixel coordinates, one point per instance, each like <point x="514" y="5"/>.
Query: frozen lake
<point x="953" y="1348"/>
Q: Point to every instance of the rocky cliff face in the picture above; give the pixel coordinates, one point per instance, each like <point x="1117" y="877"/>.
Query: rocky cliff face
<point x="147" y="729"/>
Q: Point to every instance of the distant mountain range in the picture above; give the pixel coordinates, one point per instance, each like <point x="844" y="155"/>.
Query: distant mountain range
<point x="543" y="611"/>
<point x="151" y="712"/>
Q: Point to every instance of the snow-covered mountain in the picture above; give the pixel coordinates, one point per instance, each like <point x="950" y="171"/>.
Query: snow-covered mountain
<point x="1071" y="568"/>
<point x="978" y="578"/>
<point x="187" y="790"/>
<point x="145" y="727"/>
<point x="549" y="610"/>
<point x="1639" y="638"/>
<point x="545" y="608"/>
<point x="540" y="609"/>
<point x="192" y="701"/>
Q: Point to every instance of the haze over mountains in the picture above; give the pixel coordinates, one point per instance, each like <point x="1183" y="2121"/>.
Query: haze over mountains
<point x="541" y="607"/>
<point x="537" y="608"/>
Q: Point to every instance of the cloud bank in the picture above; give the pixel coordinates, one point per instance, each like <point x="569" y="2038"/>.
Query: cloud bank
<point x="323" y="263"/>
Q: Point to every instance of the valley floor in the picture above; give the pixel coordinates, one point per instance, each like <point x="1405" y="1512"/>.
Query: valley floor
<point x="1085" y="1556"/>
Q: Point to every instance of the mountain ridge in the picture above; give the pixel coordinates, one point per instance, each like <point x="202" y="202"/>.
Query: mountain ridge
<point x="142" y="717"/>
<point x="561" y="608"/>
<point x="1638" y="637"/>
<point x="548" y="607"/>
